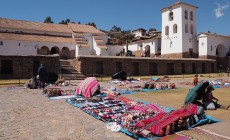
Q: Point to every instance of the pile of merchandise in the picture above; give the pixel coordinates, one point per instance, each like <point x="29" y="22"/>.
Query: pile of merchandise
<point x="139" y="118"/>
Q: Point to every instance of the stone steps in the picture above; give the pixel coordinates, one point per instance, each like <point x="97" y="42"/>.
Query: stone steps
<point x="69" y="72"/>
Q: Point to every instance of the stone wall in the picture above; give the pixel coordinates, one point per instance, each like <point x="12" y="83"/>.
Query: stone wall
<point x="89" y="65"/>
<point x="26" y="66"/>
<point x="179" y="55"/>
<point x="224" y="61"/>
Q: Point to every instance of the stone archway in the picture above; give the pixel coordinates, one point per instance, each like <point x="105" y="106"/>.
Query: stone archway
<point x="65" y="53"/>
<point x="44" y="50"/>
<point x="147" y="51"/>
<point x="54" y="50"/>
<point x="220" y="51"/>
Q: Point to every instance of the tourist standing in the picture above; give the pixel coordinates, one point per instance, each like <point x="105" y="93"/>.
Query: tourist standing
<point x="42" y="70"/>
<point x="195" y="80"/>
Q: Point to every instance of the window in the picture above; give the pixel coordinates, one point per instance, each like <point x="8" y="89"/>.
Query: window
<point x="211" y="47"/>
<point x="170" y="16"/>
<point x="185" y="14"/>
<point x="191" y="15"/>
<point x="167" y="30"/>
<point x="1" y="43"/>
<point x="175" y="28"/>
<point x="191" y="29"/>
<point x="7" y="67"/>
<point x="186" y="28"/>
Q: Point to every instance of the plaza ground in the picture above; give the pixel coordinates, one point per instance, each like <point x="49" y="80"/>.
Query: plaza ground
<point x="26" y="114"/>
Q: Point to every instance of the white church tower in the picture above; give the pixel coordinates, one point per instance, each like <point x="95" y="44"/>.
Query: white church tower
<point x="179" y="31"/>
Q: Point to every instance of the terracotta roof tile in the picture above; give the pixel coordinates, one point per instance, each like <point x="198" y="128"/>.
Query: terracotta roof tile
<point x="36" y="38"/>
<point x="84" y="28"/>
<point x="212" y="34"/>
<point x="36" y="26"/>
<point x="177" y="3"/>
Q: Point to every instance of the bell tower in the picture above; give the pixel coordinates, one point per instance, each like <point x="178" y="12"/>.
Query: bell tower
<point x="179" y="31"/>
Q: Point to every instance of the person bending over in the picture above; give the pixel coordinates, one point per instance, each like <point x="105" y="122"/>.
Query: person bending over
<point x="210" y="102"/>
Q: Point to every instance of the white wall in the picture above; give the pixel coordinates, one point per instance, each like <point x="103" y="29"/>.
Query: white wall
<point x="210" y="43"/>
<point x="171" y="43"/>
<point x="137" y="33"/>
<point x="203" y="45"/>
<point x="178" y="42"/>
<point x="114" y="49"/>
<point x="12" y="47"/>
<point x="189" y="40"/>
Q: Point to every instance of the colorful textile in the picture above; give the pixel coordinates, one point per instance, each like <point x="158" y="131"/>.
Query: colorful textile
<point x="133" y="122"/>
<point x="169" y="119"/>
<point x="88" y="87"/>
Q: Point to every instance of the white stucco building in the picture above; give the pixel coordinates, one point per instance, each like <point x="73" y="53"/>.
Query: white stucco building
<point x="179" y="31"/>
<point x="212" y="45"/>
<point x="18" y="37"/>
<point x="146" y="46"/>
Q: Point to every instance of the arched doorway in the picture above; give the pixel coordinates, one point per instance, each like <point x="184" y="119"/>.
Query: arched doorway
<point x="65" y="53"/>
<point x="147" y="51"/>
<point x="54" y="50"/>
<point x="220" y="51"/>
<point x="44" y="50"/>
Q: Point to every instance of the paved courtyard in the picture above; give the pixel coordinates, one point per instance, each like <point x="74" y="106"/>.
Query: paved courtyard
<point x="25" y="114"/>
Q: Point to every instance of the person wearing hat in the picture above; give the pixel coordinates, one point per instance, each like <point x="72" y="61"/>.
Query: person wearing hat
<point x="208" y="100"/>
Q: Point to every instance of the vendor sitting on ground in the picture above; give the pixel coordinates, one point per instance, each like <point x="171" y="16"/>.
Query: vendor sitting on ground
<point x="208" y="100"/>
<point x="33" y="83"/>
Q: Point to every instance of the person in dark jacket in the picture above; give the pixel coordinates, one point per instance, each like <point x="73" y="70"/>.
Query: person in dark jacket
<point x="42" y="71"/>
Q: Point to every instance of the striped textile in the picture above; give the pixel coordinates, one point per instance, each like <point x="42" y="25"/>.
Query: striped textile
<point x="152" y="120"/>
<point x="155" y="108"/>
<point x="172" y="117"/>
<point x="88" y="87"/>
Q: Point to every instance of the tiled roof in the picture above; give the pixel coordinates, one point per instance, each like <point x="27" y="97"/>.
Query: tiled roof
<point x="213" y="34"/>
<point x="84" y="28"/>
<point x="177" y="3"/>
<point x="35" y="38"/>
<point x="35" y="26"/>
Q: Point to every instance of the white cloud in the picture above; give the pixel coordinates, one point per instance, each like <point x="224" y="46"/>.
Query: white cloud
<point x="220" y="8"/>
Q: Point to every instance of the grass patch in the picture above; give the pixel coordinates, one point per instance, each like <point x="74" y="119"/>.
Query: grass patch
<point x="11" y="82"/>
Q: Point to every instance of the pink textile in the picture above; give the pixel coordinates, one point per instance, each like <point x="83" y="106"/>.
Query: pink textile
<point x="88" y="87"/>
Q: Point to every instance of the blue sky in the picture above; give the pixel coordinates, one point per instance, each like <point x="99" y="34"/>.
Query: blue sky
<point x="212" y="15"/>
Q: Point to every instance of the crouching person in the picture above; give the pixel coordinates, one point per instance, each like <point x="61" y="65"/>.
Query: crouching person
<point x="210" y="102"/>
<point x="32" y="84"/>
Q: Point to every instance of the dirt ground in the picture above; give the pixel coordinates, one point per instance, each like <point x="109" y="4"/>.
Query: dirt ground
<point x="25" y="114"/>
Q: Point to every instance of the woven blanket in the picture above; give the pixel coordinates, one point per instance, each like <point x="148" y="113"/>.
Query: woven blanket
<point x="87" y="87"/>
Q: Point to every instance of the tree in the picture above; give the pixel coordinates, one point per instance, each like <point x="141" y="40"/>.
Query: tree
<point x="65" y="21"/>
<point x="48" y="20"/>
<point x="152" y="29"/>
<point x="91" y="24"/>
<point x="115" y="29"/>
